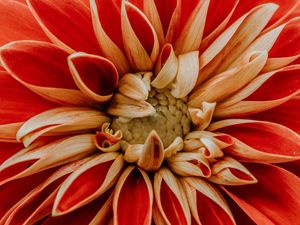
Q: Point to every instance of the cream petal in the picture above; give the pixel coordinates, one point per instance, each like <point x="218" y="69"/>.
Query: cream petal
<point x="166" y="67"/>
<point x="174" y="147"/>
<point x="201" y="118"/>
<point x="229" y="171"/>
<point x="129" y="108"/>
<point x="187" y="74"/>
<point x="152" y="154"/>
<point x="228" y="82"/>
<point x="8" y="132"/>
<point x="278" y="63"/>
<point x="191" y="35"/>
<point x="132" y="86"/>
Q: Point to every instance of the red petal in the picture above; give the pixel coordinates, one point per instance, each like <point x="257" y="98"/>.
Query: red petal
<point x="275" y="199"/>
<point x="32" y="62"/>
<point x="293" y="167"/>
<point x="97" y="74"/>
<point x="133" y="198"/>
<point x="285" y="8"/>
<point x="285" y="114"/>
<point x="17" y="102"/>
<point x="17" y="23"/>
<point x="67" y="23"/>
<point x="266" y="137"/>
<point x="280" y="85"/>
<point x="8" y="149"/>
<point x="288" y="41"/>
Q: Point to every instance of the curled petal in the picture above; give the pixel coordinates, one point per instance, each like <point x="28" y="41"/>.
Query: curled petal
<point x="189" y="164"/>
<point x="133" y="198"/>
<point x="201" y="118"/>
<point x="37" y="203"/>
<point x="139" y="37"/>
<point x="187" y="74"/>
<point x="233" y="41"/>
<point x="166" y="67"/>
<point x="152" y="154"/>
<point x="170" y="198"/>
<point x="106" y="140"/>
<point x="265" y="92"/>
<point x="132" y="86"/>
<point x="129" y="108"/>
<point x="28" y="28"/>
<point x="37" y="159"/>
<point x="228" y="171"/>
<point x="252" y="147"/>
<point x="205" y="201"/>
<point x="258" y="200"/>
<point x="65" y="33"/>
<point x="95" y="76"/>
<point x="27" y="60"/>
<point x="174" y="147"/>
<point x="108" y="36"/>
<point x="225" y="84"/>
<point x="94" y="178"/>
<point x="62" y="120"/>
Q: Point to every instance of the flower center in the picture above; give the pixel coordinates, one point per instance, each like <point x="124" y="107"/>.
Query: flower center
<point x="170" y="120"/>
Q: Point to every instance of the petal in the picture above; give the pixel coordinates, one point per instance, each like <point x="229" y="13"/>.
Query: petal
<point x="133" y="198"/>
<point x="105" y="13"/>
<point x="35" y="159"/>
<point x="19" y="27"/>
<point x="8" y="149"/>
<point x="170" y="198"/>
<point x="206" y="203"/>
<point x="139" y="37"/>
<point x="252" y="147"/>
<point x="69" y="35"/>
<point x="265" y="92"/>
<point x="95" y="76"/>
<point x="62" y="120"/>
<point x="30" y="62"/>
<point x="264" y="202"/>
<point x="293" y="167"/>
<point x="285" y="114"/>
<point x="94" y="178"/>
<point x="17" y="102"/>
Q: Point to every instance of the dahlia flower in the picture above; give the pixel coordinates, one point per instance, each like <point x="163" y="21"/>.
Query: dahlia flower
<point x="143" y="112"/>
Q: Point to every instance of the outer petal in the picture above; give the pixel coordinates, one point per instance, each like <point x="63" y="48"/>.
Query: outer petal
<point x="74" y="31"/>
<point x="20" y="27"/>
<point x="95" y="76"/>
<point x="8" y="149"/>
<point x="17" y="102"/>
<point x="284" y="145"/>
<point x="273" y="200"/>
<point x="133" y="198"/>
<point x="30" y="62"/>
<point x="88" y="182"/>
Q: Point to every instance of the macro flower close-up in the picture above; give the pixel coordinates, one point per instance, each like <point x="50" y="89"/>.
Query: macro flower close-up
<point x="150" y="112"/>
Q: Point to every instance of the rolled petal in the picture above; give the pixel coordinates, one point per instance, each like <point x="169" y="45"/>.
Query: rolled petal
<point x="263" y="202"/>
<point x="66" y="34"/>
<point x="191" y="35"/>
<point x="170" y="198"/>
<point x="37" y="204"/>
<point x="187" y="74"/>
<point x="88" y="182"/>
<point x="265" y="92"/>
<point x="13" y="109"/>
<point x="205" y="201"/>
<point x="225" y="84"/>
<point x="133" y="198"/>
<point x="30" y="62"/>
<point x="21" y="27"/>
<point x="95" y="76"/>
<point x="139" y="37"/>
<point x="60" y="121"/>
<point x="107" y="140"/>
<point x="152" y="154"/>
<point x="233" y="41"/>
<point x="252" y="147"/>
<point x="129" y="108"/>
<point x="109" y="38"/>
<point x="228" y="171"/>
<point x="201" y="118"/>
<point x="46" y="156"/>
<point x="166" y="67"/>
